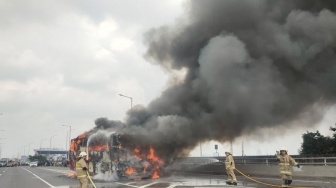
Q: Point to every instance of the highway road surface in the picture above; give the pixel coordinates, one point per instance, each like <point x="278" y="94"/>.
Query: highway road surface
<point x="44" y="177"/>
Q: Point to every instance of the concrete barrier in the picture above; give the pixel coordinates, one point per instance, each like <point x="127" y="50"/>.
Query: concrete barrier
<point x="260" y="170"/>
<point x="304" y="171"/>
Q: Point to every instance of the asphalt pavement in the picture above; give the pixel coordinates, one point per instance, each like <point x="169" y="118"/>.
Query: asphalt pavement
<point x="45" y="177"/>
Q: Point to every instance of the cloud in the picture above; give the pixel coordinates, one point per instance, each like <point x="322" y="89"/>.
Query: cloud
<point x="66" y="62"/>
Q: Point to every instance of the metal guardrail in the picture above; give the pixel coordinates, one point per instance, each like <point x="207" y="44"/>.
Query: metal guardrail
<point x="313" y="161"/>
<point x="266" y="160"/>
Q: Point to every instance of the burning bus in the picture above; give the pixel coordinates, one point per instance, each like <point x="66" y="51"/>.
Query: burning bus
<point x="114" y="156"/>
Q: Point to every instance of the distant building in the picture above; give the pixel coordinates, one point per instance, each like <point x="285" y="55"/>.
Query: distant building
<point x="51" y="152"/>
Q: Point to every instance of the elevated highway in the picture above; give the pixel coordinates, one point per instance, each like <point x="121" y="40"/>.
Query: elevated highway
<point x="313" y="168"/>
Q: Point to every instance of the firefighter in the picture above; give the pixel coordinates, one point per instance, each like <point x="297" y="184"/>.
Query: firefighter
<point x="230" y="166"/>
<point x="285" y="164"/>
<point x="81" y="171"/>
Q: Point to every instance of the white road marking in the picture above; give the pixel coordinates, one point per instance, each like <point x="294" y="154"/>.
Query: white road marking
<point x="125" y="184"/>
<point x="60" y="171"/>
<point x="313" y="181"/>
<point x="227" y="186"/>
<point x="172" y="186"/>
<point x="148" y="185"/>
<point x="3" y="171"/>
<point x="39" y="178"/>
<point x="136" y="186"/>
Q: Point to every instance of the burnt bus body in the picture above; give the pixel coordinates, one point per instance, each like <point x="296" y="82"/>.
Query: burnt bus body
<point x="116" y="157"/>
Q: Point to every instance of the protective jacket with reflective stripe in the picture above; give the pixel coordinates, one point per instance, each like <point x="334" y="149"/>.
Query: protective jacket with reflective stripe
<point x="229" y="163"/>
<point x="79" y="168"/>
<point x="285" y="164"/>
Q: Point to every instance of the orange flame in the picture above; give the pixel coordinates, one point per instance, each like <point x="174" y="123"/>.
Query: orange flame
<point x="71" y="175"/>
<point x="98" y="148"/>
<point x="137" y="153"/>
<point x="155" y="175"/>
<point x="152" y="156"/>
<point x="156" y="161"/>
<point x="145" y="169"/>
<point x="129" y="171"/>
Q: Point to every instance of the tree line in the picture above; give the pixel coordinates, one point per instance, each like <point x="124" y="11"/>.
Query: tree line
<point x="316" y="143"/>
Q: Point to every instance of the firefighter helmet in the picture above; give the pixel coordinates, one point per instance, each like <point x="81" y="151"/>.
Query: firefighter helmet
<point x="82" y="154"/>
<point x="284" y="149"/>
<point x="228" y="152"/>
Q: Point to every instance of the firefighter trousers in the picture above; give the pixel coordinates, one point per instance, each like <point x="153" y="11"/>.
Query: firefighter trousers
<point x="231" y="175"/>
<point x="83" y="182"/>
<point x="286" y="179"/>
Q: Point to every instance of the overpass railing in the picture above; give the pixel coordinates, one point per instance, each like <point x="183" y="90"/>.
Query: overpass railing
<point x="265" y="160"/>
<point x="325" y="161"/>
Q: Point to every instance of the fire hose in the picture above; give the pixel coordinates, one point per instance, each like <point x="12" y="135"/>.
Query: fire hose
<point x="267" y="184"/>
<point x="90" y="179"/>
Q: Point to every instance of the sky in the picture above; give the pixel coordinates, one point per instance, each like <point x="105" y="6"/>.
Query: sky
<point x="66" y="62"/>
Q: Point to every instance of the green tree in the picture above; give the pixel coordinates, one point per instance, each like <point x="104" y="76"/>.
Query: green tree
<point x="315" y="143"/>
<point x="40" y="158"/>
<point x="333" y="140"/>
<point x="333" y="129"/>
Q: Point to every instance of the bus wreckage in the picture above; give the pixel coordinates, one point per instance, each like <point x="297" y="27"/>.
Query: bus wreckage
<point x="113" y="156"/>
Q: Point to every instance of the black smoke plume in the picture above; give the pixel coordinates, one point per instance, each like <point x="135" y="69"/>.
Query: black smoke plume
<point x="249" y="65"/>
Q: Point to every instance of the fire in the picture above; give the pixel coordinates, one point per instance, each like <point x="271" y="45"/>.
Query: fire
<point x="145" y="169"/>
<point x="155" y="175"/>
<point x="129" y="171"/>
<point x="98" y="148"/>
<point x="137" y="153"/>
<point x="155" y="161"/>
<point x="71" y="175"/>
<point x="131" y="159"/>
<point x="152" y="156"/>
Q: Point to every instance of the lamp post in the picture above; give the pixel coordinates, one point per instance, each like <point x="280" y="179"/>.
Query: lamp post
<point x="129" y="98"/>
<point x="24" y="150"/>
<point x="21" y="151"/>
<point x="50" y="139"/>
<point x="0" y="149"/>
<point x="29" y="149"/>
<point x="50" y="143"/>
<point x="66" y="139"/>
<point x="41" y="143"/>
<point x="1" y="145"/>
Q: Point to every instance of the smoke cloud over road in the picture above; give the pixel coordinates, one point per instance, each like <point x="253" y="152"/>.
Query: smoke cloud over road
<point x="249" y="65"/>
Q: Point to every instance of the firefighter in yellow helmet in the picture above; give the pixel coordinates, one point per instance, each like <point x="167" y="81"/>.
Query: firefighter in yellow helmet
<point x="230" y="167"/>
<point x="285" y="166"/>
<point x="81" y="171"/>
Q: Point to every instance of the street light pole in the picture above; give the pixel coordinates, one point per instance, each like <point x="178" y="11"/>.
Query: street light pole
<point x="0" y="149"/>
<point x="66" y="141"/>
<point x="41" y="143"/>
<point x="50" y="139"/>
<point x="50" y="143"/>
<point x="29" y="149"/>
<point x="1" y="143"/>
<point x="129" y="98"/>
